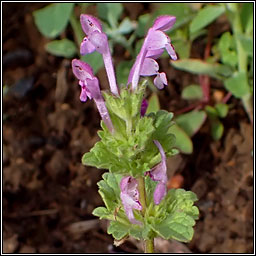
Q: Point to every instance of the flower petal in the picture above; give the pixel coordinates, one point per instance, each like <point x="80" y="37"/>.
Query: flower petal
<point x="156" y="40"/>
<point x="158" y="173"/>
<point x="160" y="80"/>
<point x="94" y="89"/>
<point x="154" y="54"/>
<point x="90" y="24"/>
<point x="164" y="22"/>
<point x="81" y="69"/>
<point x="84" y="91"/>
<point x="86" y="47"/>
<point x="144" y="106"/>
<point x="160" y="192"/>
<point x="170" y="49"/>
<point x="100" y="41"/>
<point x="130" y="197"/>
<point x="149" y="67"/>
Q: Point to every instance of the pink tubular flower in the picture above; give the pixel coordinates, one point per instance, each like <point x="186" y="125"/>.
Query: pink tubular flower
<point x="159" y="173"/>
<point x="153" y="47"/>
<point x="95" y="39"/>
<point x="130" y="197"/>
<point x="90" y="88"/>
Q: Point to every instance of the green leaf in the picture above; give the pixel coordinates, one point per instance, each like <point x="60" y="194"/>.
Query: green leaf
<point x="122" y="71"/>
<point x="95" y="60"/>
<point x="176" y="215"/>
<point x="237" y="84"/>
<point x="162" y="124"/>
<point x="109" y="191"/>
<point x="200" y="67"/>
<point x="117" y="230"/>
<point x="247" y="16"/>
<point x="222" y="109"/>
<point x="211" y="112"/>
<point x="126" y="26"/>
<point x="192" y="92"/>
<point x="217" y="129"/>
<point x="102" y="213"/>
<point x="110" y="12"/>
<point x="62" y="48"/>
<point x="183" y="142"/>
<point x="153" y="104"/>
<point x="191" y="121"/>
<point x="182" y="47"/>
<point x="226" y="47"/>
<point x="53" y="19"/>
<point x="206" y="16"/>
<point x="247" y="44"/>
<point x="143" y="24"/>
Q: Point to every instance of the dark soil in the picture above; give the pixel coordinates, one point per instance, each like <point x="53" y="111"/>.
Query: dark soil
<point x="48" y="195"/>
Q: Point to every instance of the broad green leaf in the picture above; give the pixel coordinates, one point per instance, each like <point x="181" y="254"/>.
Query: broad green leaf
<point x="237" y="85"/>
<point x="247" y="44"/>
<point x="126" y="26"/>
<point x="182" y="47"/>
<point x="110" y="12"/>
<point x="211" y="112"/>
<point x="226" y="47"/>
<point x="143" y="24"/>
<point x="94" y="60"/>
<point x="222" y="109"/>
<point x="176" y="215"/>
<point x="63" y="48"/>
<point x="53" y="19"/>
<point x="153" y="104"/>
<point x="247" y="16"/>
<point x="178" y="226"/>
<point x="122" y="71"/>
<point x="192" y="92"/>
<point x="109" y="191"/>
<point x="183" y="142"/>
<point x="200" y="67"/>
<point x="205" y="16"/>
<point x="117" y="230"/>
<point x="102" y="213"/>
<point x="217" y="129"/>
<point x="191" y="121"/>
<point x="162" y="124"/>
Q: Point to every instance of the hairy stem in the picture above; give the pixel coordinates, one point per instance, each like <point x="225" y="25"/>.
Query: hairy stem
<point x="149" y="243"/>
<point x="149" y="246"/>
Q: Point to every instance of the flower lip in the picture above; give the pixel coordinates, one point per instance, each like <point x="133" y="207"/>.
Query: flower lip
<point x="130" y="197"/>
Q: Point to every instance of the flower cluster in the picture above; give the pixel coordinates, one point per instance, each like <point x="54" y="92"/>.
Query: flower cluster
<point x="145" y="65"/>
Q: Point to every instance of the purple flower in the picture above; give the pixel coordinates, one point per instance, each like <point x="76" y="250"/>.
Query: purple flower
<point x="159" y="173"/>
<point x="90" y="88"/>
<point x="130" y="197"/>
<point x="153" y="47"/>
<point x="97" y="40"/>
<point x="144" y="106"/>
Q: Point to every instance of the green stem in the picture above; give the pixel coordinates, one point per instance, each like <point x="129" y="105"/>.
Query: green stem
<point x="149" y="243"/>
<point x="242" y="55"/>
<point x="149" y="246"/>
